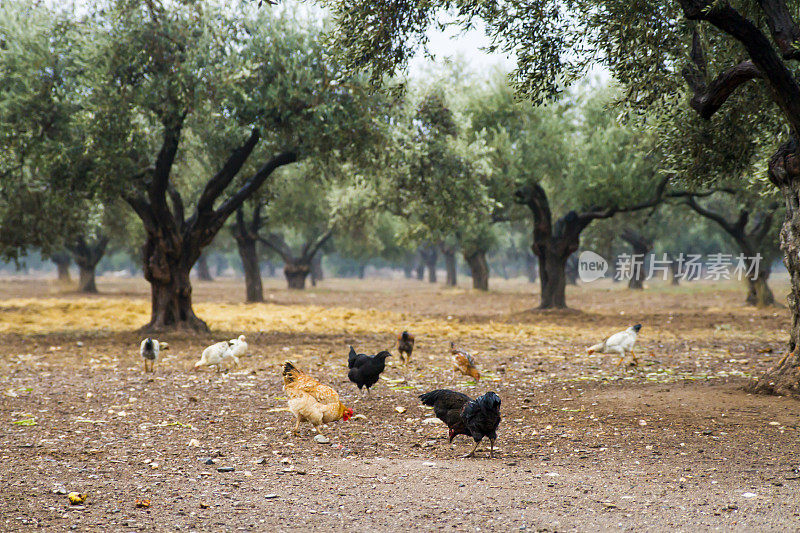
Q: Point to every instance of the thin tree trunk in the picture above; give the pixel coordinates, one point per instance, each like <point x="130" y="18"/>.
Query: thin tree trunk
<point x="531" y="267"/>
<point x="571" y="270"/>
<point x="247" y="245"/>
<point x="641" y="246"/>
<point x="675" y="269"/>
<point x="254" y="290"/>
<point x="203" y="272"/>
<point x="316" y="269"/>
<point x="429" y="256"/>
<point x="421" y="270"/>
<point x="479" y="268"/>
<point x="450" y="266"/>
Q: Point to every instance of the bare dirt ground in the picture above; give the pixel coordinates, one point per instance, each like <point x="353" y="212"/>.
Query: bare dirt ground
<point x="584" y="445"/>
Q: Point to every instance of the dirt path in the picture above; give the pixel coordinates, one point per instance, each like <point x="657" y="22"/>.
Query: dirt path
<point x="583" y="445"/>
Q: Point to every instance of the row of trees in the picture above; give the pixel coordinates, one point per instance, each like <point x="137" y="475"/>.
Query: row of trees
<point x="684" y="66"/>
<point x="143" y="122"/>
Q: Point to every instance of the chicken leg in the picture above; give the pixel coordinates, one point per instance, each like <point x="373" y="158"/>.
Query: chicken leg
<point x="491" y="448"/>
<point x="296" y="427"/>
<point x="472" y="453"/>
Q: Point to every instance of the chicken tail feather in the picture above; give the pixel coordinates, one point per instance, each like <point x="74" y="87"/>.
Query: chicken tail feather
<point x="290" y="373"/>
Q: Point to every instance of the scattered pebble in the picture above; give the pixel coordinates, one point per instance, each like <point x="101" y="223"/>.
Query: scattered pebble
<point x="321" y="439"/>
<point x="428" y="421"/>
<point x="270" y="496"/>
<point x="226" y="469"/>
<point x="194" y="442"/>
<point x="400" y="409"/>
<point x="428" y="463"/>
<point x="359" y="416"/>
<point x="749" y="495"/>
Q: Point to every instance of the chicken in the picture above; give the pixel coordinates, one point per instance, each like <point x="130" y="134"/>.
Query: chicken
<point x="216" y="354"/>
<point x="405" y="345"/>
<point x="621" y="343"/>
<point x="464" y="363"/>
<point x="365" y="370"/>
<point x="238" y="347"/>
<point x="310" y="400"/>
<point x="149" y="350"/>
<point x="475" y="418"/>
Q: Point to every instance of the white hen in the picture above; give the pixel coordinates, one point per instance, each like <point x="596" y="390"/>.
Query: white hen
<point x="238" y="347"/>
<point x="621" y="343"/>
<point x="216" y="354"/>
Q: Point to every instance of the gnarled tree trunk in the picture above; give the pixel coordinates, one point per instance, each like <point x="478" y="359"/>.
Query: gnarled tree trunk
<point x="479" y="268"/>
<point x="175" y="242"/>
<point x="749" y="241"/>
<point x="296" y="273"/>
<point x="553" y="276"/>
<point x="87" y="255"/>
<point x="553" y="243"/>
<point x="297" y="267"/>
<point x="784" y="172"/>
<point x="759" y="294"/>
<point x="170" y="286"/>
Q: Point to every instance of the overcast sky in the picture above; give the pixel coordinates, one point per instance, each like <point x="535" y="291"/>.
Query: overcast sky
<point x="453" y="44"/>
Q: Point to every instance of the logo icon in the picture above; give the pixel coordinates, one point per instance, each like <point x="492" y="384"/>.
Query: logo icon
<point x="591" y="266"/>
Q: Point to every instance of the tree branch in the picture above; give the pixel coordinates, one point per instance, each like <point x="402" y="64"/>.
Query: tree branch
<point x="597" y="213"/>
<point x="278" y="243"/>
<point x="783" y="28"/>
<point x="177" y="205"/>
<point x="229" y="170"/>
<point x="141" y="207"/>
<point x="785" y="88"/>
<point x="728" y="226"/>
<point x="251" y="186"/>
<point x="164" y="161"/>
<point x="312" y="251"/>
<point x="535" y="198"/>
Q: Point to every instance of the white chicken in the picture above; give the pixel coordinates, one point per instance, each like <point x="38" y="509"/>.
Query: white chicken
<point x="238" y="347"/>
<point x="216" y="354"/>
<point x="149" y="350"/>
<point x="621" y="343"/>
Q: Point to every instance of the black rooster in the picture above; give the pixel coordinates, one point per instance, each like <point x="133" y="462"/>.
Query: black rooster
<point x="365" y="370"/>
<point x="475" y="418"/>
<point x="405" y="345"/>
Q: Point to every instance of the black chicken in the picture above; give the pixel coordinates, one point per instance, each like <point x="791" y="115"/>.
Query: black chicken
<point x="365" y="370"/>
<point x="475" y="418"/>
<point x="405" y="345"/>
